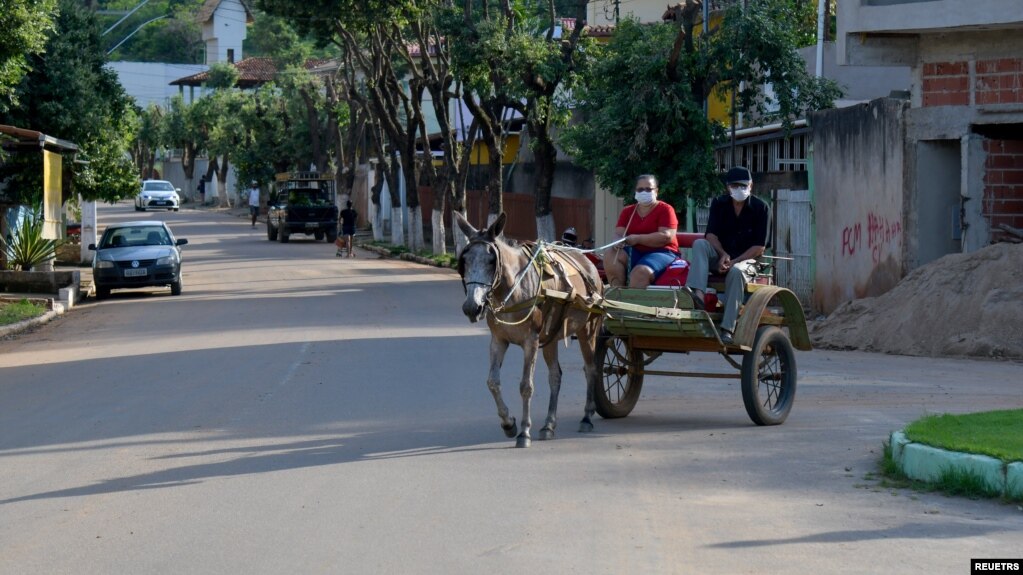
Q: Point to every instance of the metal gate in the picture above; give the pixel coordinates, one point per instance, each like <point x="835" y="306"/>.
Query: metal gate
<point x="792" y="238"/>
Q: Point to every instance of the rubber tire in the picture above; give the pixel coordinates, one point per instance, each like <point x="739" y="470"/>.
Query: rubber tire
<point x="102" y="292"/>
<point x="771" y="358"/>
<point x="617" y="390"/>
<point x="175" y="209"/>
<point x="282" y="236"/>
<point x="318" y="236"/>
<point x="176" y="287"/>
<point x="331" y="237"/>
<point x="271" y="232"/>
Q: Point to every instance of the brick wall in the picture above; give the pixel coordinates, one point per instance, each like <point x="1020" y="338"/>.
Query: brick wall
<point x="1003" y="184"/>
<point x="986" y="82"/>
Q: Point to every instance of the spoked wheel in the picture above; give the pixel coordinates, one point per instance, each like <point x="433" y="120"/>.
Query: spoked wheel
<point x="621" y="378"/>
<point x="769" y="377"/>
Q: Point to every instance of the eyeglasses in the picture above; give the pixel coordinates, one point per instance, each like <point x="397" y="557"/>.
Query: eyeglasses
<point x="645" y="189"/>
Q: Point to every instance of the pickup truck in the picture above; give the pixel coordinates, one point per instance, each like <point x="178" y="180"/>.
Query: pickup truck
<point x="302" y="203"/>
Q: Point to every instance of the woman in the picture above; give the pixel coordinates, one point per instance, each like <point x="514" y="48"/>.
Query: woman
<point x="648" y="227"/>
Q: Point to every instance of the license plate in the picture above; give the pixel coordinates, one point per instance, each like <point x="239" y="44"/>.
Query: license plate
<point x="134" y="273"/>
<point x="310" y="225"/>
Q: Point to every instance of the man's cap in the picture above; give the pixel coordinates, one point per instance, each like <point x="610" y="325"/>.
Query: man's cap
<point x="738" y="174"/>
<point x="254" y="183"/>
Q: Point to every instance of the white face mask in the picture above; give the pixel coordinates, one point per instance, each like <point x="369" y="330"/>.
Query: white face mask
<point x="739" y="194"/>
<point x="645" y="198"/>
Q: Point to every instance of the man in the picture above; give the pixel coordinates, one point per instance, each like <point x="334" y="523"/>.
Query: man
<point x="736" y="236"/>
<point x="254" y="201"/>
<point x="348" y="217"/>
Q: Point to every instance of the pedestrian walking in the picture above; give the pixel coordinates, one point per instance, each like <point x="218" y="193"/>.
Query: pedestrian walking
<point x="254" y="201"/>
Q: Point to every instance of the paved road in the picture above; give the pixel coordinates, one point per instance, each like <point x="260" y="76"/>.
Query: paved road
<point x="296" y="413"/>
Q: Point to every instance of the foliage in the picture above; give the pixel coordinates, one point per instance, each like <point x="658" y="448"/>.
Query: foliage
<point x="175" y="39"/>
<point x="635" y="120"/>
<point x="14" y="311"/>
<point x="222" y="75"/>
<point x="26" y="248"/>
<point x="70" y="95"/>
<point x="642" y="104"/>
<point x="24" y="27"/>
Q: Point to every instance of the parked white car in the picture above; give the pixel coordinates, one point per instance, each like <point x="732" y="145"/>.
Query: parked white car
<point x="158" y="194"/>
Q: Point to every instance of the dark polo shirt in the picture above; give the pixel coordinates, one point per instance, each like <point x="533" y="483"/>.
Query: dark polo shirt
<point x="739" y="233"/>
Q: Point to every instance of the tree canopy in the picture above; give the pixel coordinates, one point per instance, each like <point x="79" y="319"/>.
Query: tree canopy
<point x="24" y="27"/>
<point x="641" y="104"/>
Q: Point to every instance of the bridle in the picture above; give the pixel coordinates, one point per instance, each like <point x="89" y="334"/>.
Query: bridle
<point x="495" y="308"/>
<point x="491" y="246"/>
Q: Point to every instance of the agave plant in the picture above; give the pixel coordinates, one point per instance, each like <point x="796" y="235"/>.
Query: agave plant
<point x="27" y="247"/>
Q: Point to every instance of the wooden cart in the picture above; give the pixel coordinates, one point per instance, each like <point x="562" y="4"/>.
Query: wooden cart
<point x="642" y="324"/>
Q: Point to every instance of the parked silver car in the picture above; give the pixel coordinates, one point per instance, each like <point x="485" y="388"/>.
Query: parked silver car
<point x="158" y="194"/>
<point x="137" y="254"/>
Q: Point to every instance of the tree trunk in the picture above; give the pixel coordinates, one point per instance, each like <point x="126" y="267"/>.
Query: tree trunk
<point x="545" y="159"/>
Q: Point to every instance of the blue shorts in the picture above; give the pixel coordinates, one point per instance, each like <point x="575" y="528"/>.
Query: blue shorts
<point x="347" y="230"/>
<point x="657" y="260"/>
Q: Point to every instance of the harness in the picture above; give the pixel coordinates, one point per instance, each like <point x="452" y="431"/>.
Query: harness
<point x="548" y="264"/>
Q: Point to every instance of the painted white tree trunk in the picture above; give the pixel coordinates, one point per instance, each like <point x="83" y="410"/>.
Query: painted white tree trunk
<point x="437" y="220"/>
<point x="397" y="227"/>
<point x="545" y="228"/>
<point x="377" y="221"/>
<point x="415" y="230"/>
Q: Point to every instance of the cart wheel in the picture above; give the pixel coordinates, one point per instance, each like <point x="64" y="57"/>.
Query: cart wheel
<point x="620" y="378"/>
<point x="769" y="377"/>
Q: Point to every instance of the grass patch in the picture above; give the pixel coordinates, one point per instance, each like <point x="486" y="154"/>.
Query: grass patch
<point x="440" y="260"/>
<point x="956" y="481"/>
<point x="997" y="434"/>
<point x="13" y="312"/>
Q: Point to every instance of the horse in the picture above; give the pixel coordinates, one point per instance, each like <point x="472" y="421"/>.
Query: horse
<point x="503" y="283"/>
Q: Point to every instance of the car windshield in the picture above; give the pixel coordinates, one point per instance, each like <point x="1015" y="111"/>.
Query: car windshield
<point x="308" y="197"/>
<point x="157" y="187"/>
<point x="130" y="236"/>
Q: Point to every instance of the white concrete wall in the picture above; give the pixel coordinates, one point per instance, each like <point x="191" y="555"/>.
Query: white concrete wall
<point x="858" y="173"/>
<point x="225" y="30"/>
<point x="149" y="82"/>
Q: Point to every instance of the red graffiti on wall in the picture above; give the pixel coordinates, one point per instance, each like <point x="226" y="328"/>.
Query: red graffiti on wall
<point x="881" y="232"/>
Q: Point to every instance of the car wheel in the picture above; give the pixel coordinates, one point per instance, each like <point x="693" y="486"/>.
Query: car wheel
<point x="175" y="209"/>
<point x="331" y="236"/>
<point x="102" y="292"/>
<point x="176" y="287"/>
<point x="282" y="235"/>
<point x="318" y="236"/>
<point x="271" y="232"/>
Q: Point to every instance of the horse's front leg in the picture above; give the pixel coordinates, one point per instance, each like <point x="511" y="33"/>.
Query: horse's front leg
<point x="550" y="356"/>
<point x="498" y="347"/>
<point x="588" y="344"/>
<point x="529" y="348"/>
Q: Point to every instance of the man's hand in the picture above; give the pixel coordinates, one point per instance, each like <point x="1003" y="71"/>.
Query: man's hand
<point x="724" y="264"/>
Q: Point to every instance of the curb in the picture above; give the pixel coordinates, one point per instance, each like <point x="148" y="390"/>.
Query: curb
<point x="926" y="463"/>
<point x="22" y="325"/>
<point x="403" y="256"/>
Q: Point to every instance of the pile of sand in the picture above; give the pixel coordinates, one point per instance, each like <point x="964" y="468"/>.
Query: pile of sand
<point x="961" y="304"/>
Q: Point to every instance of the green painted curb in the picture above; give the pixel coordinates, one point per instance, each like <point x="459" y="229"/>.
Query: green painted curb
<point x="926" y="463"/>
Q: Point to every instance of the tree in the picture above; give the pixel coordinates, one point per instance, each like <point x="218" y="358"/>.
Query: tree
<point x="25" y="26"/>
<point x="149" y="139"/>
<point x="70" y="95"/>
<point x="642" y="102"/>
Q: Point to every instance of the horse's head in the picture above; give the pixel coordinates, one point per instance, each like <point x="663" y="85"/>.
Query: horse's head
<point x="479" y="264"/>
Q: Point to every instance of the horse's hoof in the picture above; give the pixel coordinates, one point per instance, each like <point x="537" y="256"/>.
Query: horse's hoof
<point x="522" y="441"/>
<point x="511" y="429"/>
<point x="546" y="434"/>
<point x="585" y="426"/>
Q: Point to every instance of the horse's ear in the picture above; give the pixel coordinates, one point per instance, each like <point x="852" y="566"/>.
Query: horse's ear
<point x="464" y="225"/>
<point x="497" y="228"/>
